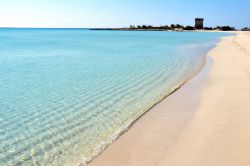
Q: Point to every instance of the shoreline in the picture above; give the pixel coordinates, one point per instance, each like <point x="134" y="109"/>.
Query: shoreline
<point x="122" y="131"/>
<point x="204" y="68"/>
<point x="158" y="132"/>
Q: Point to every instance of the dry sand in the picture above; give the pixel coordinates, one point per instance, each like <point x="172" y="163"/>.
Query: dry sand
<point x="205" y="123"/>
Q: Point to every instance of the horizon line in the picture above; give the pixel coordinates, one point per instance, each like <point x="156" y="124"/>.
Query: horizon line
<point x="106" y="27"/>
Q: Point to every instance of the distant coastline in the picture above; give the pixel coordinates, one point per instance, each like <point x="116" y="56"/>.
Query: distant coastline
<point x="172" y="27"/>
<point x="175" y="30"/>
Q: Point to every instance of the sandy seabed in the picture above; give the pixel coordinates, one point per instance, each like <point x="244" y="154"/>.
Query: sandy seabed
<point x="204" y="123"/>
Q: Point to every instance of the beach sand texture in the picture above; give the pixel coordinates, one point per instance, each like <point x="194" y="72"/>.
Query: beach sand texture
<point x="204" y="123"/>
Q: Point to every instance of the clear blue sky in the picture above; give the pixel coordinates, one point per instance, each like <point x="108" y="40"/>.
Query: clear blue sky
<point x="120" y="13"/>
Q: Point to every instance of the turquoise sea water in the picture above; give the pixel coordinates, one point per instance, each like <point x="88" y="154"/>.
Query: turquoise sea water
<point x="65" y="94"/>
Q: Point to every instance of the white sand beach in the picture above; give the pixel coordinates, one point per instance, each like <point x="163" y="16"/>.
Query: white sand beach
<point x="205" y="123"/>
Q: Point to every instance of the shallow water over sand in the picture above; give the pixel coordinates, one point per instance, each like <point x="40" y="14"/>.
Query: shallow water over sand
<point x="67" y="93"/>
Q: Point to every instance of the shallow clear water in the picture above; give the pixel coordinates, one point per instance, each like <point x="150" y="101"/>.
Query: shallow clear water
<point x="65" y="94"/>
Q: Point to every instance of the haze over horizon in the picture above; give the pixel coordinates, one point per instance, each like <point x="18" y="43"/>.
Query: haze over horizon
<point x="113" y="13"/>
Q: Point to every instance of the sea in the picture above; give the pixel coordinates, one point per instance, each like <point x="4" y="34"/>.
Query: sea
<point x="67" y="94"/>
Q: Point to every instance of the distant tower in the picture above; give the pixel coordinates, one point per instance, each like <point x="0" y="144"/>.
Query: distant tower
<point x="199" y="23"/>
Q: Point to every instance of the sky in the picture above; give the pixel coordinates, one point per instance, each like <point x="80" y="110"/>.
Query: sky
<point x="122" y="13"/>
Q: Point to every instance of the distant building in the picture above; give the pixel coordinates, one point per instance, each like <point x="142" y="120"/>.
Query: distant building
<point x="199" y="23"/>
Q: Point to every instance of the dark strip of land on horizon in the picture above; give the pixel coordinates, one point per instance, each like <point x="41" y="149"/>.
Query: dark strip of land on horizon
<point x="172" y="27"/>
